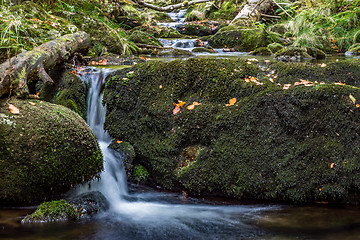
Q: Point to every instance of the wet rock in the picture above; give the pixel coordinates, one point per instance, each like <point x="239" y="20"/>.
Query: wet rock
<point x="127" y="153"/>
<point x="202" y="50"/>
<point x="274" y="47"/>
<point x="292" y="54"/>
<point x="263" y="51"/>
<point x="55" y="211"/>
<point x="89" y="203"/>
<point x="273" y="143"/>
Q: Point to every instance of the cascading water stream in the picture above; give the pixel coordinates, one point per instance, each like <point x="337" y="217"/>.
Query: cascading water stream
<point x="153" y="213"/>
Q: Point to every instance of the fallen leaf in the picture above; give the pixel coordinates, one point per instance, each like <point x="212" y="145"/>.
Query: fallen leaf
<point x="332" y="165"/>
<point x="119" y="141"/>
<point x="160" y="87"/>
<point x="74" y="72"/>
<point x="176" y="109"/>
<point x="13" y="109"/>
<point x="323" y="65"/>
<point x="352" y="98"/>
<point x="286" y="86"/>
<point x="231" y="102"/>
<point x="31" y="103"/>
<point x="340" y="83"/>
<point x="192" y="106"/>
<point x="181" y="103"/>
<point x="253" y="60"/>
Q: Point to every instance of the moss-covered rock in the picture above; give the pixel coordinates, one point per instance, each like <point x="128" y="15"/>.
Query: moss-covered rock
<point x="44" y="151"/>
<point x="274" y="47"/>
<point x="263" y="51"/>
<point x="316" y="53"/>
<point x="126" y="150"/>
<point x="143" y="38"/>
<point x="197" y="30"/>
<point x="159" y="31"/>
<point x="72" y="94"/>
<point x="54" y="211"/>
<point x="203" y="50"/>
<point x="292" y="54"/>
<point x="241" y="38"/>
<point x="195" y="15"/>
<point x="273" y="143"/>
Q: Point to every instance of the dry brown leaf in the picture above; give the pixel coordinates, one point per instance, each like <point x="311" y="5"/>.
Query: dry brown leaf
<point x="13" y="109"/>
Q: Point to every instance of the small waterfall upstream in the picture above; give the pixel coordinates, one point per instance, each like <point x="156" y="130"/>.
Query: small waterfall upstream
<point x="155" y="215"/>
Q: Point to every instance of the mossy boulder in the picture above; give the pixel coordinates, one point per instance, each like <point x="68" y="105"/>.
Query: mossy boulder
<point x="143" y="38"/>
<point x="197" y="30"/>
<point x="241" y="38"/>
<point x="292" y="54"/>
<point x="316" y="53"/>
<point x="298" y="144"/>
<point x="54" y="211"/>
<point x="195" y="15"/>
<point x="262" y="51"/>
<point x="72" y="94"/>
<point x="274" y="47"/>
<point x="159" y="31"/>
<point x="44" y="151"/>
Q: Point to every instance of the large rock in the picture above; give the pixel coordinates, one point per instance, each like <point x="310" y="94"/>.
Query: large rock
<point x="44" y="151"/>
<point x="242" y="38"/>
<point x="277" y="142"/>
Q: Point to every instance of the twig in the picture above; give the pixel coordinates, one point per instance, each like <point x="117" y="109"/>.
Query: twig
<point x="269" y="16"/>
<point x="282" y="9"/>
<point x="257" y="4"/>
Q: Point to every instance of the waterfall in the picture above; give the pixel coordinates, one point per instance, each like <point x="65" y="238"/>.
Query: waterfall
<point x="150" y="214"/>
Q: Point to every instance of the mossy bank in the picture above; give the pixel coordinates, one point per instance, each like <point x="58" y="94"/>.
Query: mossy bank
<point x="44" y="151"/>
<point x="293" y="143"/>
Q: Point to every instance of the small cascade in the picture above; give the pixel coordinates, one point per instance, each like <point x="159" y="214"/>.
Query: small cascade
<point x="178" y="17"/>
<point x="154" y="215"/>
<point x="185" y="44"/>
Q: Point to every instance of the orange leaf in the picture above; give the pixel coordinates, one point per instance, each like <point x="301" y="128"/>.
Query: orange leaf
<point x="74" y="72"/>
<point x="231" y="102"/>
<point x="332" y="165"/>
<point x="176" y="109"/>
<point x="181" y="103"/>
<point x="323" y="65"/>
<point x="192" y="106"/>
<point x="119" y="141"/>
<point x="340" y="83"/>
<point x="13" y="109"/>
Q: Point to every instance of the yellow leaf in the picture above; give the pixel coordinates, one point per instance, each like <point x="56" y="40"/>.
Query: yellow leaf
<point x="323" y="65"/>
<point x="119" y="141"/>
<point x="352" y="98"/>
<point x="192" y="106"/>
<point x="160" y="87"/>
<point x="181" y="103"/>
<point x="13" y="109"/>
<point x="231" y="102"/>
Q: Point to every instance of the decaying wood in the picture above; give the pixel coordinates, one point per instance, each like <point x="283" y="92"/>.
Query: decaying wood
<point x="252" y="10"/>
<point x="170" y="7"/>
<point x="15" y="72"/>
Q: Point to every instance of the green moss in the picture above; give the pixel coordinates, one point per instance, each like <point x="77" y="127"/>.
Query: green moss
<point x="274" y="47"/>
<point x="263" y="51"/>
<point x="241" y="38"/>
<point x="295" y="53"/>
<point x="140" y="174"/>
<point x="46" y="150"/>
<point x="273" y="144"/>
<point x="52" y="212"/>
<point x="144" y="38"/>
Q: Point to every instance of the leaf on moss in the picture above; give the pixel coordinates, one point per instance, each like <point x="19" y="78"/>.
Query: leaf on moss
<point x="231" y="102"/>
<point x="13" y="109"/>
<point x="192" y="106"/>
<point x="352" y="98"/>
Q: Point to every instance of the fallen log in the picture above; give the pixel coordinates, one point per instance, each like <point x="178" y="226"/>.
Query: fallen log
<point x="15" y="72"/>
<point x="170" y="7"/>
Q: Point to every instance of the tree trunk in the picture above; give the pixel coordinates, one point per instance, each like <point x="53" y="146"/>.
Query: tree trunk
<point x="170" y="7"/>
<point x="15" y="71"/>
